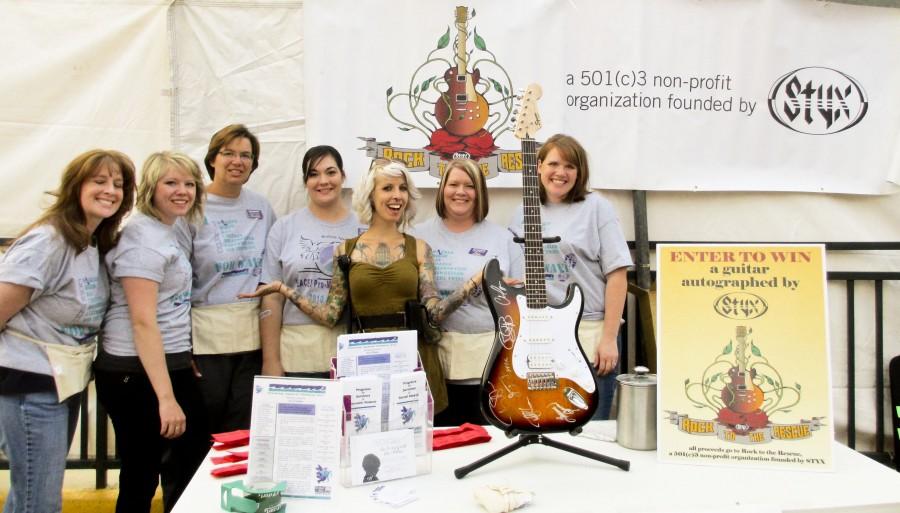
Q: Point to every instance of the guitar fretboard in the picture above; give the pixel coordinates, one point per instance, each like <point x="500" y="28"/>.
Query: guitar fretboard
<point x="535" y="288"/>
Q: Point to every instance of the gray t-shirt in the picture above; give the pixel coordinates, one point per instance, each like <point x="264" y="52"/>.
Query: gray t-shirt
<point x="457" y="257"/>
<point x="300" y="253"/>
<point x="592" y="245"/>
<point x="149" y="249"/>
<point x="71" y="291"/>
<point x="227" y="248"/>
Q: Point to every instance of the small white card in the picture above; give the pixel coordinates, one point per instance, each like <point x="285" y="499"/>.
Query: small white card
<point x="394" y="495"/>
<point x="382" y="456"/>
<point x="365" y="394"/>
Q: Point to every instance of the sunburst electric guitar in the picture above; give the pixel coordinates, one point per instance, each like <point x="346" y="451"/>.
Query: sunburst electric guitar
<point x="461" y="110"/>
<point x="537" y="379"/>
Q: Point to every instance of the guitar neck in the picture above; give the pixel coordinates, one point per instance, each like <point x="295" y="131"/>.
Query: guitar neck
<point x="741" y="336"/>
<point x="462" y="56"/>
<point x="535" y="286"/>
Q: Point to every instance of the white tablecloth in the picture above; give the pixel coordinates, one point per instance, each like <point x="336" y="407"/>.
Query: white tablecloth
<point x="564" y="482"/>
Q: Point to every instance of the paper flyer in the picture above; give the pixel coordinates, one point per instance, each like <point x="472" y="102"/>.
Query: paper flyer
<point x="295" y="434"/>
<point x="408" y="405"/>
<point x="380" y="353"/>
<point x="743" y="357"/>
<point x="365" y="403"/>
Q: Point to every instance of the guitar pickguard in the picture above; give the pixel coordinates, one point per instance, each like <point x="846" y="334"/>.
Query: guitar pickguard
<point x="547" y="343"/>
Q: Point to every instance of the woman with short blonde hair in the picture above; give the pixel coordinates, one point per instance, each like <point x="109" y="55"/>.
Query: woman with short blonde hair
<point x="143" y="370"/>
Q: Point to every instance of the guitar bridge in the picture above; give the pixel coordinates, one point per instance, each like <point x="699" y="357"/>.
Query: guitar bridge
<point x="542" y="380"/>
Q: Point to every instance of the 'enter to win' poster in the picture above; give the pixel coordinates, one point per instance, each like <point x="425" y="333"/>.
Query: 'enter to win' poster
<point x="744" y="377"/>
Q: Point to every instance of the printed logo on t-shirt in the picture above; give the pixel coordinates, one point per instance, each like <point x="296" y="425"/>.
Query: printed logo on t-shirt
<point x="180" y="298"/>
<point x="319" y="253"/>
<point x="557" y="266"/>
<point x="477" y="251"/>
<point x="572" y="260"/>
<point x="239" y="267"/>
<point x="254" y="214"/>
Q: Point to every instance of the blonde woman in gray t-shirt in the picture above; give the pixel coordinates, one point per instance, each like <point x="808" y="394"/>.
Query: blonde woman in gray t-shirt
<point x="53" y="294"/>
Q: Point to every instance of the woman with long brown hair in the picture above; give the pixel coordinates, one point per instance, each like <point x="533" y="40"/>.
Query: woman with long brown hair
<point x="53" y="294"/>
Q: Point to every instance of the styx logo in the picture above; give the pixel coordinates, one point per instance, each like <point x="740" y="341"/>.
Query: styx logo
<point x="817" y="101"/>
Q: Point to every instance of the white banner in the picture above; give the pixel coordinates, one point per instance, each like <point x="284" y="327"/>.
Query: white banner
<point x="770" y="95"/>
<point x="77" y="76"/>
<point x="241" y="62"/>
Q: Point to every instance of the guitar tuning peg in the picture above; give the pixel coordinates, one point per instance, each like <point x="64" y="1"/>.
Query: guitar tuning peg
<point x="513" y="119"/>
<point x="515" y="111"/>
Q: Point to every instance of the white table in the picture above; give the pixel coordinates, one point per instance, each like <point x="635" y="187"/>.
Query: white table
<point x="565" y="482"/>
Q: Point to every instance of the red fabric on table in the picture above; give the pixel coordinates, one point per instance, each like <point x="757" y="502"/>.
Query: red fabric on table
<point x="230" y="470"/>
<point x="231" y="439"/>
<point x="228" y="458"/>
<point x="466" y="434"/>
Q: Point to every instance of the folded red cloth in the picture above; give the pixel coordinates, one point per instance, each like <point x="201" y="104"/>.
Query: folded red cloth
<point x="230" y="470"/>
<point x="228" y="458"/>
<point x="466" y="434"/>
<point x="231" y="439"/>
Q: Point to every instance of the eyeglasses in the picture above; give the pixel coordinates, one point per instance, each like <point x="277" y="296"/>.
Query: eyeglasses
<point x="244" y="156"/>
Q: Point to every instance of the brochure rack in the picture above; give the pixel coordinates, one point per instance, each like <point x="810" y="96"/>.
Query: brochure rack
<point x="350" y="436"/>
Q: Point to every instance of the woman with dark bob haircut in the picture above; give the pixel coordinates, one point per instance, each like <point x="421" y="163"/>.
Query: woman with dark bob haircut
<point x="300" y="253"/>
<point x="53" y="294"/>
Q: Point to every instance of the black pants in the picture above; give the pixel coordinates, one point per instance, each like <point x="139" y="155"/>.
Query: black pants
<point x="226" y="385"/>
<point x="465" y="406"/>
<point x="146" y="456"/>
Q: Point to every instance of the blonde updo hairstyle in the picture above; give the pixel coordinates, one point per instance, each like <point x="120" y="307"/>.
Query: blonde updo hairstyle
<point x="362" y="196"/>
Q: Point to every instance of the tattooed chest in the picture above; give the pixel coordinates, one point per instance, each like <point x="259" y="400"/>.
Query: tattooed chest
<point x="379" y="254"/>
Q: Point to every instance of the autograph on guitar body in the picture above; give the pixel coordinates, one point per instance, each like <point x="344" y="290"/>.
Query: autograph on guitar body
<point x="537" y="379"/>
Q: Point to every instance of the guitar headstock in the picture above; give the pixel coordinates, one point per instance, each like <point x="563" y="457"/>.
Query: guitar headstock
<point x="528" y="120"/>
<point x="462" y="14"/>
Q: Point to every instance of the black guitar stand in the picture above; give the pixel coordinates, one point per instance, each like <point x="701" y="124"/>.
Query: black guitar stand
<point x="532" y="438"/>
